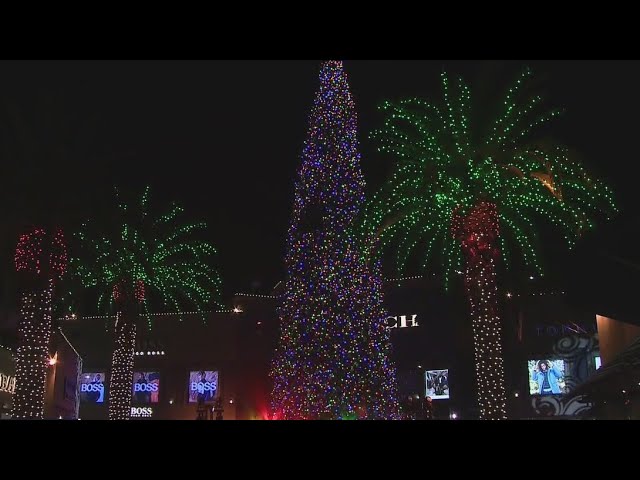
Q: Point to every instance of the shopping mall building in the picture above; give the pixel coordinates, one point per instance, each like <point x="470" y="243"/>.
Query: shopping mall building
<point x="224" y="358"/>
<point x="64" y="367"/>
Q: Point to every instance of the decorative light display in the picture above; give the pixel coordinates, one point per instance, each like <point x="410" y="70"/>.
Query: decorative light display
<point x="402" y="279"/>
<point x="29" y="251"/>
<point x="41" y="259"/>
<point x="256" y="296"/>
<point x="477" y="233"/>
<point x="470" y="195"/>
<point x="37" y="253"/>
<point x="161" y="314"/>
<point x="59" y="259"/>
<point x="121" y="379"/>
<point x="333" y="357"/>
<point x="143" y="263"/>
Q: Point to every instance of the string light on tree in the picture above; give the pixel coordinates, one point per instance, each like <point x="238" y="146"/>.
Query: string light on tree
<point x="333" y="356"/>
<point x="477" y="232"/>
<point x="121" y="378"/>
<point x="40" y="259"/>
<point x="470" y="196"/>
<point x="143" y="263"/>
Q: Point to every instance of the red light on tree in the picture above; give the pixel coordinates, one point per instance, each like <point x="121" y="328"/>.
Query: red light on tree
<point x="42" y="258"/>
<point x="41" y="254"/>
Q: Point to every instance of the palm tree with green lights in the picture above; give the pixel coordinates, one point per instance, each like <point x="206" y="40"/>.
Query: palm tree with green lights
<point x="137" y="263"/>
<point x="466" y="193"/>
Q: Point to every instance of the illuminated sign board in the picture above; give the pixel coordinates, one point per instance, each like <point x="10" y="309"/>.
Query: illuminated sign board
<point x="203" y="386"/>
<point x="561" y="329"/>
<point x="141" y="412"/>
<point x="146" y="387"/>
<point x="92" y="387"/>
<point x="7" y="383"/>
<point x="546" y="377"/>
<point x="402" y="321"/>
<point x="437" y="382"/>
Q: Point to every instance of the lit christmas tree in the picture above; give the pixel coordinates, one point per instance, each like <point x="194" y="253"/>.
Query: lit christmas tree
<point x="333" y="358"/>
<point x="469" y="191"/>
<point x="138" y="262"/>
<point x="41" y="259"/>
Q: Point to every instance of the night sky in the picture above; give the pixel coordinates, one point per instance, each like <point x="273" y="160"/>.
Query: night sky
<point x="224" y="138"/>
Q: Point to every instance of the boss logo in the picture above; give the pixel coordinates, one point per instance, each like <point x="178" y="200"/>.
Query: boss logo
<point x="92" y="387"/>
<point x="145" y="387"/>
<point x="202" y="387"/>
<point x="141" y="411"/>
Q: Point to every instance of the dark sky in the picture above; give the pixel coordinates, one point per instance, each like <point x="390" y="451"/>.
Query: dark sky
<point x="224" y="137"/>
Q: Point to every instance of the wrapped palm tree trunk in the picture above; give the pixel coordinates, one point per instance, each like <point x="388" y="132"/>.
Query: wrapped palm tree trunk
<point x="121" y="378"/>
<point x="32" y="353"/>
<point x="40" y="259"/>
<point x="478" y="233"/>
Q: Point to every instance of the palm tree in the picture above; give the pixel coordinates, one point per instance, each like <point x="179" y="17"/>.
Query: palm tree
<point x="139" y="263"/>
<point x="469" y="192"/>
<point x="41" y="260"/>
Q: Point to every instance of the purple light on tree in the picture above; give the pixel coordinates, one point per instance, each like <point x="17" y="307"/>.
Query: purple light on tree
<point x="333" y="357"/>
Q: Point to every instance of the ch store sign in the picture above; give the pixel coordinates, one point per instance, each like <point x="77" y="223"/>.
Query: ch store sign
<point x="402" y="321"/>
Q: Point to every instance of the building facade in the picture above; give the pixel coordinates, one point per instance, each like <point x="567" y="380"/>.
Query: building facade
<point x="188" y="367"/>
<point x="551" y="348"/>
<point x="7" y="381"/>
<point x="62" y="379"/>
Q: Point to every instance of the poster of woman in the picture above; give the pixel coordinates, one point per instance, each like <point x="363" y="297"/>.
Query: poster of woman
<point x="437" y="383"/>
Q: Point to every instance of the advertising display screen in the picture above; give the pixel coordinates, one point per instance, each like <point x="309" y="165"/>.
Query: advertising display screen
<point x="203" y="386"/>
<point x="437" y="384"/>
<point x="146" y="387"/>
<point x="546" y="377"/>
<point x="92" y="387"/>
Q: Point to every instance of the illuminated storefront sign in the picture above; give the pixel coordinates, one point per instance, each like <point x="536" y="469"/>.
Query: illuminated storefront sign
<point x="146" y="387"/>
<point x="141" y="412"/>
<point x="405" y="321"/>
<point x="92" y="387"/>
<point x="7" y="383"/>
<point x="203" y="386"/>
<point x="564" y="329"/>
